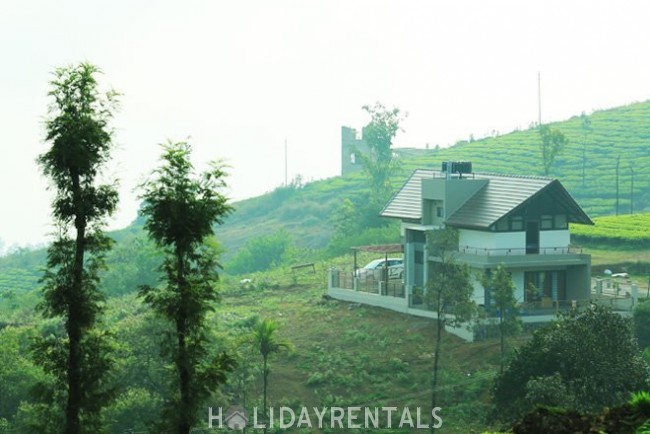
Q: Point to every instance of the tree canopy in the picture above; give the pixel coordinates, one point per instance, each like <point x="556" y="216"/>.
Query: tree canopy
<point x="552" y="144"/>
<point x="583" y="361"/>
<point x="379" y="163"/>
<point x="181" y="208"/>
<point x="81" y="141"/>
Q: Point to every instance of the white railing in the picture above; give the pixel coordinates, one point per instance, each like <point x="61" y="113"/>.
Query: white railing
<point x="484" y="251"/>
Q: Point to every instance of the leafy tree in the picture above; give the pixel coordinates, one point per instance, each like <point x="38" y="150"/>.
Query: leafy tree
<point x="502" y="291"/>
<point x="181" y="209"/>
<point x="552" y="144"/>
<point x="18" y="374"/>
<point x="80" y="145"/>
<point x="262" y="253"/>
<point x="449" y="292"/>
<point x="268" y="343"/>
<point x="591" y="355"/>
<point x="133" y="262"/>
<point x="379" y="163"/>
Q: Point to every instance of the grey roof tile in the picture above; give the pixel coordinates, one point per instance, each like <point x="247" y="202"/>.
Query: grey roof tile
<point x="501" y="195"/>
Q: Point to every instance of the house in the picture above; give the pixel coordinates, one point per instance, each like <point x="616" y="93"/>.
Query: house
<point x="521" y="222"/>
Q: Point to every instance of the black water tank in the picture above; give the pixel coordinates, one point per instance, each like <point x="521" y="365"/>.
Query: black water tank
<point x="457" y="166"/>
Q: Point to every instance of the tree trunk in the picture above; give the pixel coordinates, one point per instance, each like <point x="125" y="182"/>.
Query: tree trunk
<point x="436" y="358"/>
<point x="74" y="326"/>
<point x="266" y="374"/>
<point x="501" y="333"/>
<point x="184" y="423"/>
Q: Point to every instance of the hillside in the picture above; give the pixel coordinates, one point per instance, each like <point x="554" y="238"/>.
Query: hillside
<point x="306" y="211"/>
<point x="624" y="131"/>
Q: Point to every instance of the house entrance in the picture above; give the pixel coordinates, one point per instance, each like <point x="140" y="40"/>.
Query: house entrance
<point x="532" y="238"/>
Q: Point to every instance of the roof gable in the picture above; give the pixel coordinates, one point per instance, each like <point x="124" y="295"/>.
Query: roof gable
<point x="501" y="196"/>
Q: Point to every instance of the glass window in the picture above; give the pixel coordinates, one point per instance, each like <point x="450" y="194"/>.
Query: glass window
<point x="517" y="223"/>
<point x="502" y="225"/>
<point x="439" y="212"/>
<point x="560" y="221"/>
<point x="547" y="222"/>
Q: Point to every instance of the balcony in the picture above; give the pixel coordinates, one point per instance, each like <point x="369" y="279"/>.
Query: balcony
<point x="518" y="256"/>
<point x="564" y="250"/>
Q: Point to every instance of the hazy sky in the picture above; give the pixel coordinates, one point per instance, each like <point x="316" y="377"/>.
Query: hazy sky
<point x="240" y="77"/>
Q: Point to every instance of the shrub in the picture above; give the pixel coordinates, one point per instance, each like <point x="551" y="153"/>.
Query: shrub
<point x="642" y="324"/>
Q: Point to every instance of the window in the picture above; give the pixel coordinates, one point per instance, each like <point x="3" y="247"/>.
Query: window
<point x="502" y="225"/>
<point x="517" y="223"/>
<point x="546" y="222"/>
<point x="539" y="285"/>
<point x="440" y="212"/>
<point x="560" y="221"/>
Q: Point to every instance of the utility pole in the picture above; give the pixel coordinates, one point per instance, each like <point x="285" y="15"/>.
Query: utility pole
<point x="285" y="163"/>
<point x="631" y="189"/>
<point x="618" y="163"/>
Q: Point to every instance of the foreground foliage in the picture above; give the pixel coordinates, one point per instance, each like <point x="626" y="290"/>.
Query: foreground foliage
<point x="632" y="417"/>
<point x="584" y="361"/>
<point x="76" y="357"/>
<point x="181" y="211"/>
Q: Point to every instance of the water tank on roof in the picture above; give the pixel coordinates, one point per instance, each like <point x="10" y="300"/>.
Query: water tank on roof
<point x="459" y="167"/>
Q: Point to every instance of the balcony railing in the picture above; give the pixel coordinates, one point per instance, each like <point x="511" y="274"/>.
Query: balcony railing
<point x="564" y="250"/>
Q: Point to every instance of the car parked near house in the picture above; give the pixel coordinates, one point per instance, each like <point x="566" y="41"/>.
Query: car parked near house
<point x="374" y="269"/>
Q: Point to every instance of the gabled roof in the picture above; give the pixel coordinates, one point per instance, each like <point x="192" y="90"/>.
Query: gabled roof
<point x="500" y="196"/>
<point x="407" y="202"/>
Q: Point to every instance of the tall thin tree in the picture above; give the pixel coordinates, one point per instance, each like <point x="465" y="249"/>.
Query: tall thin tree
<point x="268" y="343"/>
<point x="80" y="138"/>
<point x="449" y="292"/>
<point x="181" y="209"/>
<point x="502" y="291"/>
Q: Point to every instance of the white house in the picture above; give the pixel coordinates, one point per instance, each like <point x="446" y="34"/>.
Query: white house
<point x="519" y="221"/>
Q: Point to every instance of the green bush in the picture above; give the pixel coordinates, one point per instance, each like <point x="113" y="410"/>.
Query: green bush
<point x="262" y="253"/>
<point x="642" y="324"/>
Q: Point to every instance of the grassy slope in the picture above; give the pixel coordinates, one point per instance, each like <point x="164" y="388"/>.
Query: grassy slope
<point x="631" y="229"/>
<point x="363" y="356"/>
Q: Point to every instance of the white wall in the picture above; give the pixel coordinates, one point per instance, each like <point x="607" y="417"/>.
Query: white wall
<point x="511" y="240"/>
<point x="559" y="238"/>
<point x="492" y="240"/>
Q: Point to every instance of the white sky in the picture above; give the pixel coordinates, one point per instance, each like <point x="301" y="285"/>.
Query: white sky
<point x="239" y="77"/>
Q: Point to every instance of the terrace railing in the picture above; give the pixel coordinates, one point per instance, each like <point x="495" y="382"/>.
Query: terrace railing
<point x="564" y="250"/>
<point x="346" y="280"/>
